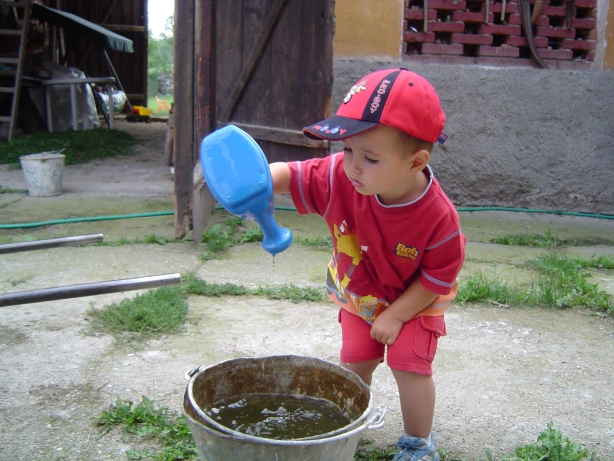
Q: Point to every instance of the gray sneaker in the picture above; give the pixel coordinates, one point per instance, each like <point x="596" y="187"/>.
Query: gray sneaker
<point x="416" y="449"/>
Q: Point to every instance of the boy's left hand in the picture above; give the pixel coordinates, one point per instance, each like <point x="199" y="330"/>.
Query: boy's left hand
<point x="385" y="329"/>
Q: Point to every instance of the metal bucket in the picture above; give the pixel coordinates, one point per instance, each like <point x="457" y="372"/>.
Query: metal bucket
<point x="43" y="173"/>
<point x="290" y="375"/>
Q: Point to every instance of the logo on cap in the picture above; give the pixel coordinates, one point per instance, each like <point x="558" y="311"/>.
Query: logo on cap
<point x="360" y="86"/>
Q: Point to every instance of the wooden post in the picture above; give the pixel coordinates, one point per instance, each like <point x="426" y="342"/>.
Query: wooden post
<point x="184" y="113"/>
<point x="204" y="203"/>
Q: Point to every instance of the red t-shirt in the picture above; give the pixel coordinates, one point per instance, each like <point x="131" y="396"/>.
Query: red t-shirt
<point x="378" y="250"/>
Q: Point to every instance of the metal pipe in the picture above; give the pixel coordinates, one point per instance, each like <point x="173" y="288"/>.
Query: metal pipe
<point x="88" y="289"/>
<point x="51" y="243"/>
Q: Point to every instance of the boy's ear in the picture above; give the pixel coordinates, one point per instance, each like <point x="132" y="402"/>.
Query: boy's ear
<point x="421" y="159"/>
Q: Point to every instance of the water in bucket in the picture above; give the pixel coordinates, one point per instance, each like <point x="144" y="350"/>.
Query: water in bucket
<point x="280" y="417"/>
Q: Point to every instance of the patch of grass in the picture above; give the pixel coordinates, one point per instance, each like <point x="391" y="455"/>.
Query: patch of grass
<point x="319" y="243"/>
<point x="158" y="311"/>
<point x="148" y="239"/>
<point x="197" y="286"/>
<point x="550" y="446"/>
<point x="147" y="420"/>
<point x="291" y="293"/>
<point x="562" y="281"/>
<point x="480" y="289"/>
<point x="533" y="240"/>
<point x="79" y="146"/>
<point x="367" y="452"/>
<point x="12" y="191"/>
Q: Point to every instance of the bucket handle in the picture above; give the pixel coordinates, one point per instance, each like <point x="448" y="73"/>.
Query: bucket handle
<point x="377" y="420"/>
<point x="190" y="373"/>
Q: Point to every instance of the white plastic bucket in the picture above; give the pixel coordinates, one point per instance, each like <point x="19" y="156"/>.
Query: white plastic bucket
<point x="43" y="173"/>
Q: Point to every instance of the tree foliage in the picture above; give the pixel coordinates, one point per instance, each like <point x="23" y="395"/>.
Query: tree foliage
<point x="160" y="54"/>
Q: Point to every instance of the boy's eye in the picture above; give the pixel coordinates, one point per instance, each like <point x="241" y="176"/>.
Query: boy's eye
<point x="370" y="160"/>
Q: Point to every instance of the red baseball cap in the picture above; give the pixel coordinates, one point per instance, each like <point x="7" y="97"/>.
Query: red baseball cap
<point x="395" y="97"/>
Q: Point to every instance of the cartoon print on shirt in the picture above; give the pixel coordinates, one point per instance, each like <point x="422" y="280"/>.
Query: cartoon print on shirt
<point x="346" y="243"/>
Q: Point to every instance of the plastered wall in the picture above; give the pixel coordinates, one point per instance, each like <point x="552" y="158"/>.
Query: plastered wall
<point x="518" y="137"/>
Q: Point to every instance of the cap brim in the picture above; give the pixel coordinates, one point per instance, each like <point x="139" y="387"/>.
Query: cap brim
<point x="337" y="127"/>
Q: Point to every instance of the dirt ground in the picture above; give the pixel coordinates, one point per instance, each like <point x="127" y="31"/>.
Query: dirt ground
<point x="502" y="374"/>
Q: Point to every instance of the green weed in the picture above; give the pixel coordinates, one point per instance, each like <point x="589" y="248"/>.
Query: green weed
<point x="146" y="419"/>
<point x="320" y="243"/>
<point x="550" y="446"/>
<point x="158" y="311"/>
<point x="79" y="146"/>
<point x="533" y="240"/>
<point x="291" y="293"/>
<point x="197" y="286"/>
<point x="367" y="452"/>
<point x="562" y="281"/>
<point x="479" y="288"/>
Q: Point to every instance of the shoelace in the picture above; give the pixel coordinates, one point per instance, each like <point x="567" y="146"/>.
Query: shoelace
<point x="417" y="445"/>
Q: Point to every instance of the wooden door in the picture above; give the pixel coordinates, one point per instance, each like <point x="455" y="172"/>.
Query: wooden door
<point x="273" y="72"/>
<point x="263" y="65"/>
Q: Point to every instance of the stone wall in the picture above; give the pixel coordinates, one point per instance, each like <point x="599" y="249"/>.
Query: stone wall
<point x="518" y="137"/>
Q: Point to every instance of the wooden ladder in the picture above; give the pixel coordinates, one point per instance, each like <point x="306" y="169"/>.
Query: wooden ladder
<point x="15" y="65"/>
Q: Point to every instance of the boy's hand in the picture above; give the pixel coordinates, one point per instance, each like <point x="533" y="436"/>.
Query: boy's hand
<point x="386" y="329"/>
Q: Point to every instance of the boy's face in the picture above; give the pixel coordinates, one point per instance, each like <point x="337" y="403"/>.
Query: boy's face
<point x="375" y="163"/>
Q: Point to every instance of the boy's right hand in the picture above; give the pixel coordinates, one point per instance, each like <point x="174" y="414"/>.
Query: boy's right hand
<point x="386" y="329"/>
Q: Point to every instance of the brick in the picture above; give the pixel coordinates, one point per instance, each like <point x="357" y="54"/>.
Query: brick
<point x="499" y="51"/>
<point x="587" y="45"/>
<point x="542" y="21"/>
<point x="418" y="13"/>
<point x="433" y="48"/>
<point x="434" y="26"/>
<point x="467" y="39"/>
<point x="563" y="54"/>
<point x="500" y="29"/>
<point x="465" y="16"/>
<point x="419" y="37"/>
<point x="441" y="59"/>
<point x="556" y="11"/>
<point x="529" y="63"/>
<point x="593" y="35"/>
<point x="493" y="61"/>
<point x="540" y="42"/>
<point x="515" y="19"/>
<point x="556" y="32"/>
<point x="574" y="65"/>
<point x="448" y="4"/>
<point x="584" y="23"/>
<point x="590" y="56"/>
<point x="585" y="3"/>
<point x="510" y="8"/>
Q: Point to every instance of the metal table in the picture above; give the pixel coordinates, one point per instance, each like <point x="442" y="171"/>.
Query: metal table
<point x="72" y="83"/>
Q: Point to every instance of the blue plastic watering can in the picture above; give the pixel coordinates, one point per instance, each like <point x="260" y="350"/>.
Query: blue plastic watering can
<point x="238" y="175"/>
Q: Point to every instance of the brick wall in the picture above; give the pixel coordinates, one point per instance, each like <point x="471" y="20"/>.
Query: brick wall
<point x="479" y="32"/>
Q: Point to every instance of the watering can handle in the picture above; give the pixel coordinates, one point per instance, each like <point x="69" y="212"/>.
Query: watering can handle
<point x="377" y="421"/>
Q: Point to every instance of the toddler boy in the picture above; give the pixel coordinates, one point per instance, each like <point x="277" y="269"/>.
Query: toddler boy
<point x="397" y="243"/>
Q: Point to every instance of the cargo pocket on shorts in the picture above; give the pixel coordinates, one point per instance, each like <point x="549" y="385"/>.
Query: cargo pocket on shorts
<point x="428" y="330"/>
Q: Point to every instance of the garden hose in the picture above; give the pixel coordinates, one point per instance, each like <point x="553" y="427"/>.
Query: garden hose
<point x="287" y="208"/>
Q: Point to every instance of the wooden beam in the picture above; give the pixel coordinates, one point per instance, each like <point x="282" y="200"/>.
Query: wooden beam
<point x="184" y="114"/>
<point x="280" y="136"/>
<point x="125" y="28"/>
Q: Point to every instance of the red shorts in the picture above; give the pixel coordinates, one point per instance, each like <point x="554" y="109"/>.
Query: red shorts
<point x="414" y="349"/>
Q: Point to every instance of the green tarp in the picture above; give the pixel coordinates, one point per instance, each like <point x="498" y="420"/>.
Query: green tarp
<point x="82" y="28"/>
